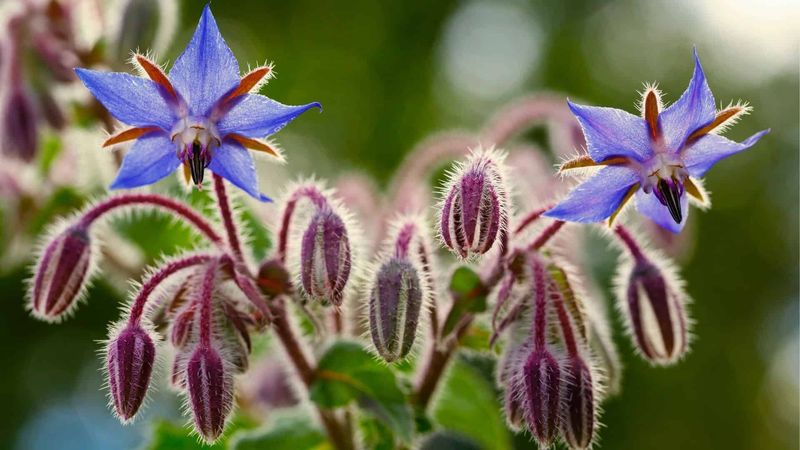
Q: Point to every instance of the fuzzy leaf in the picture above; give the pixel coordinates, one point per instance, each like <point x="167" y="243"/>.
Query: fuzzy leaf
<point x="287" y="432"/>
<point x="347" y="372"/>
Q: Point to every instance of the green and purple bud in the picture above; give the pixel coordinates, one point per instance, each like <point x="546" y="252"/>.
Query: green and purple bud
<point x="130" y="356"/>
<point x="579" y="408"/>
<point x="474" y="212"/>
<point x="210" y="385"/>
<point x="325" y="258"/>
<point x="541" y="377"/>
<point x="62" y="274"/>
<point x="395" y="302"/>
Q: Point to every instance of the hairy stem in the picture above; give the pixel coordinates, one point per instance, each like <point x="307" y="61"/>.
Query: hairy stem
<point x="629" y="241"/>
<point x="227" y="217"/>
<point x="159" y="277"/>
<point x="546" y="234"/>
<point x="206" y="298"/>
<point x="307" y="191"/>
<point x="167" y="204"/>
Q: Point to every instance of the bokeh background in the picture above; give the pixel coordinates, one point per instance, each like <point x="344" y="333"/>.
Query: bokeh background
<point x="390" y="73"/>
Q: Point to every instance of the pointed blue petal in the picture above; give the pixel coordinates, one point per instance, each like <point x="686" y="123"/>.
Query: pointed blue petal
<point x="132" y="100"/>
<point x="596" y="198"/>
<point x="207" y="69"/>
<point x="150" y="159"/>
<point x="257" y="116"/>
<point x="234" y="163"/>
<point x="695" y="108"/>
<point x="711" y="148"/>
<point x="612" y="132"/>
<point x="650" y="207"/>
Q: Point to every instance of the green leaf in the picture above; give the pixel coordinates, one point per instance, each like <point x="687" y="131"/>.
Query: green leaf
<point x="347" y="372"/>
<point x="289" y="431"/>
<point x="169" y="436"/>
<point x="49" y="150"/>
<point x="375" y="435"/>
<point x="444" y="440"/>
<point x="467" y="405"/>
<point x="469" y="296"/>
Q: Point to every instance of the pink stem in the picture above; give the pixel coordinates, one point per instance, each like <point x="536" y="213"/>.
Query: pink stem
<point x="530" y="218"/>
<point x="227" y="217"/>
<point x="206" y="298"/>
<point x="628" y="240"/>
<point x="165" y="203"/>
<point x="310" y="192"/>
<point x="157" y="278"/>
<point x="563" y="319"/>
<point x="540" y="306"/>
<point x="547" y="233"/>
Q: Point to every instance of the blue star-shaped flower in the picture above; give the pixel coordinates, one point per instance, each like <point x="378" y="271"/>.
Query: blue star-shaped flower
<point x="202" y="116"/>
<point x="654" y="157"/>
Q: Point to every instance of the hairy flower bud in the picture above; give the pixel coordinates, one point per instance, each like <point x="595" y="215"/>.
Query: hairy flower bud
<point x="183" y="326"/>
<point x="395" y="301"/>
<point x="61" y="274"/>
<point x="656" y="316"/>
<point x="475" y="207"/>
<point x="542" y="380"/>
<point x="325" y="257"/>
<point x="509" y="376"/>
<point x="19" y="125"/>
<point x="210" y="385"/>
<point x="273" y="278"/>
<point x="130" y="357"/>
<point x="578" y="416"/>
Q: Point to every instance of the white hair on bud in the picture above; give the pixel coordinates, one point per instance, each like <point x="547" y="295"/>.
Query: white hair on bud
<point x="648" y="88"/>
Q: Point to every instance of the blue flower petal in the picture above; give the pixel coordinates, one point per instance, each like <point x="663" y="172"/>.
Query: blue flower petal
<point x="132" y="100"/>
<point x="207" y="69"/>
<point x="234" y="163"/>
<point x="695" y="108"/>
<point x="649" y="206"/>
<point x="596" y="198"/>
<point x="257" y="116"/>
<point x="150" y="159"/>
<point x="711" y="148"/>
<point x="612" y="132"/>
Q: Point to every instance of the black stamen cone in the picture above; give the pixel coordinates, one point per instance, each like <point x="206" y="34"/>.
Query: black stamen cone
<point x="671" y="197"/>
<point x="197" y="164"/>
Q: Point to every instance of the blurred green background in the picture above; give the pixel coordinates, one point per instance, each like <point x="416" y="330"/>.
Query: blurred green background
<point x="390" y="73"/>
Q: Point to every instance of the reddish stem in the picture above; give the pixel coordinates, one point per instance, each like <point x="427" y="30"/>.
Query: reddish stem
<point x="530" y="218"/>
<point x="157" y="278"/>
<point x="546" y="234"/>
<point x="206" y="298"/>
<point x="563" y="319"/>
<point x="628" y="240"/>
<point x="227" y="217"/>
<point x="165" y="203"/>
<point x="540" y="305"/>
<point x="308" y="191"/>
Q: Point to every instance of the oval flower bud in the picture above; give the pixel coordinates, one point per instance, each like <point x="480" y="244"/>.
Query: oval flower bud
<point x="183" y="326"/>
<point x="578" y="416"/>
<point x="509" y="376"/>
<point x="20" y="135"/>
<point x="325" y="257"/>
<point x="130" y="357"/>
<point x="542" y="380"/>
<point x="210" y="385"/>
<point x="656" y="317"/>
<point x="395" y="301"/>
<point x="475" y="207"/>
<point x="61" y="274"/>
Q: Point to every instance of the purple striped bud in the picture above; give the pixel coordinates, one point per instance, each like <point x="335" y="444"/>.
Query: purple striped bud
<point x="61" y="274"/>
<point x="183" y="326"/>
<point x="652" y="298"/>
<point x="578" y="415"/>
<point x="325" y="257"/>
<point x="509" y="377"/>
<point x="475" y="207"/>
<point x="130" y="357"/>
<point x="210" y="385"/>
<point x="20" y="138"/>
<point x="395" y="301"/>
<point x="542" y="380"/>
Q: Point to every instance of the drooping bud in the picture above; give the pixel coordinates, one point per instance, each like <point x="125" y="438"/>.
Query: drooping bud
<point x="20" y="138"/>
<point x="509" y="377"/>
<point x="395" y="301"/>
<point x="130" y="357"/>
<point x="210" y="385"/>
<point x="652" y="298"/>
<point x="475" y="207"/>
<point x="325" y="257"/>
<point x="273" y="278"/>
<point x="542" y="381"/>
<point x="578" y="416"/>
<point x="61" y="274"/>
<point x="183" y="325"/>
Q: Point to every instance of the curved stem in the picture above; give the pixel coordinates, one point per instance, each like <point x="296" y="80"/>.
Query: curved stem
<point x="307" y="191"/>
<point x="626" y="237"/>
<point x="564" y="321"/>
<point x="529" y="218"/>
<point x="546" y="234"/>
<point x="227" y="217"/>
<point x="206" y="298"/>
<point x="165" y="203"/>
<point x="159" y="277"/>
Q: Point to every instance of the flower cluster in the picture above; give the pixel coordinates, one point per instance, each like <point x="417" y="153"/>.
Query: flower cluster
<point x="514" y="259"/>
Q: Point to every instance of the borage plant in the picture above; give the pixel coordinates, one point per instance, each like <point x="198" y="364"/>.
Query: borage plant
<point x="373" y="340"/>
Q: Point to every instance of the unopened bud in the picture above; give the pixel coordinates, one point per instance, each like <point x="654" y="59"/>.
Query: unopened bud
<point x="509" y="376"/>
<point x="542" y="381"/>
<point x="19" y="125"/>
<point x="210" y="386"/>
<point x="273" y="278"/>
<point x="183" y="326"/>
<point x="395" y="301"/>
<point x="130" y="356"/>
<point x="656" y="314"/>
<point x="475" y="207"/>
<point x="325" y="257"/>
<point x="61" y="274"/>
<point x="578" y="417"/>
